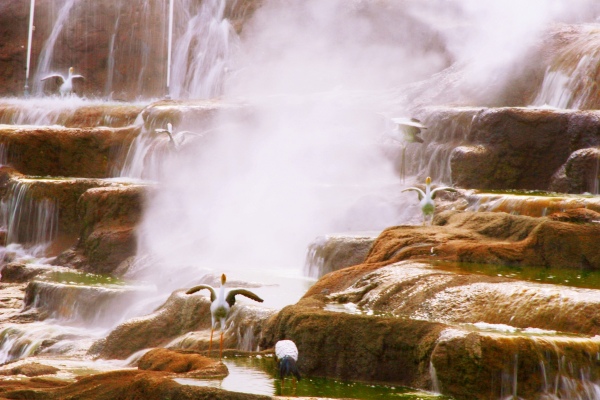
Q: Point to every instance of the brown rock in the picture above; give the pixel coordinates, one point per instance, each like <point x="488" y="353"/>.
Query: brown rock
<point x="70" y="152"/>
<point x="31" y="369"/>
<point x="355" y="347"/>
<point x="492" y="238"/>
<point x="511" y="148"/>
<point x="181" y="313"/>
<point x="180" y="361"/>
<point x="125" y="385"/>
<point x="19" y="273"/>
<point x="108" y="217"/>
<point x="577" y="215"/>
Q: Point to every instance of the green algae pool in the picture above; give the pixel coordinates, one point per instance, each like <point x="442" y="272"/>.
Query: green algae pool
<point x="257" y="375"/>
<point x="558" y="276"/>
<point x="79" y="278"/>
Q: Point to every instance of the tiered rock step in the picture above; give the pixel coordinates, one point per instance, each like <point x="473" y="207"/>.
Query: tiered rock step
<point x="73" y="114"/>
<point x="533" y="205"/>
<point x="510" y="148"/>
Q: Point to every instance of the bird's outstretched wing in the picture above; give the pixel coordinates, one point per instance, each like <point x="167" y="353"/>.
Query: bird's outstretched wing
<point x="419" y="192"/>
<point x="439" y="189"/>
<point x="232" y="293"/>
<point x="409" y="122"/>
<point x="213" y="295"/>
<point x="56" y="77"/>
<point x="77" y="76"/>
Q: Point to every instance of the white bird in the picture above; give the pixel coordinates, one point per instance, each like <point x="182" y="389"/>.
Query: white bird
<point x="221" y="303"/>
<point x="66" y="84"/>
<point x="182" y="136"/>
<point x="405" y="131"/>
<point x="286" y="354"/>
<point x="427" y="198"/>
<point x="168" y="131"/>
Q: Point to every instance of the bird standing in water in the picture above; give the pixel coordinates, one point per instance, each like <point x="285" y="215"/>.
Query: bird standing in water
<point x="286" y="354"/>
<point x="427" y="198"/>
<point x="66" y="84"/>
<point x="221" y="302"/>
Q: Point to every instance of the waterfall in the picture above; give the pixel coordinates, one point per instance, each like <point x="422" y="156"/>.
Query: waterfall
<point x="28" y="220"/>
<point x="111" y="59"/>
<point x="201" y="53"/>
<point x="435" y="383"/>
<point x="570" y="79"/>
<point x="46" y="56"/>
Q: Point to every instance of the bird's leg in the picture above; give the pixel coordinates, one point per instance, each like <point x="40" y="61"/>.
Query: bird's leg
<point x="210" y="343"/>
<point x="221" y="347"/>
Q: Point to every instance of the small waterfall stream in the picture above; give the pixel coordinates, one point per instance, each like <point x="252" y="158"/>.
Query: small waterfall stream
<point x="201" y="54"/>
<point x="570" y="81"/>
<point x="29" y="222"/>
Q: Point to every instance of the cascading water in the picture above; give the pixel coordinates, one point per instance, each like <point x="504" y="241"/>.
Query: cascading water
<point x="570" y="79"/>
<point x="47" y="53"/>
<point x="29" y="222"/>
<point x="201" y="53"/>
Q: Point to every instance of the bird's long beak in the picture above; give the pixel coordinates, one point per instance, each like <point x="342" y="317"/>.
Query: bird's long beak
<point x="223" y="279"/>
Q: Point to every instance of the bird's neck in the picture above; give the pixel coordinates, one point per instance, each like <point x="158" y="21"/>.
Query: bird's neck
<point x="222" y="292"/>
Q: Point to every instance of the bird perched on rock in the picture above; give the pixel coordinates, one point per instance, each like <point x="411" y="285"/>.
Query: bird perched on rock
<point x="66" y="84"/>
<point x="427" y="198"/>
<point x="286" y="354"/>
<point x="221" y="302"/>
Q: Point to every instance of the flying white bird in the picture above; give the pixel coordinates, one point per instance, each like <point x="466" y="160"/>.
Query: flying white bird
<point x="427" y="198"/>
<point x="66" y="84"/>
<point x="286" y="354"/>
<point x="405" y="131"/>
<point x="181" y="136"/>
<point x="221" y="303"/>
<point x="169" y="132"/>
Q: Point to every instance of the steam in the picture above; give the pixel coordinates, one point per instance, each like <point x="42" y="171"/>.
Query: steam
<point x="303" y="156"/>
<point x="492" y="41"/>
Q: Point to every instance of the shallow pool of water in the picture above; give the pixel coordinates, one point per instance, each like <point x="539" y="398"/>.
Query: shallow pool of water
<point x="257" y="375"/>
<point x="80" y="278"/>
<point x="557" y="276"/>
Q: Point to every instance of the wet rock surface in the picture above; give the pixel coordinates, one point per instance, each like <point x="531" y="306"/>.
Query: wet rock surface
<point x="65" y="152"/>
<point x="108" y="217"/>
<point x="181" y="313"/>
<point x="493" y="238"/>
<point x="355" y="347"/>
<point x="182" y="362"/>
<point x="182" y="322"/>
<point x="513" y="147"/>
<point x="30" y="370"/>
<point x="460" y="324"/>
<point x="124" y="384"/>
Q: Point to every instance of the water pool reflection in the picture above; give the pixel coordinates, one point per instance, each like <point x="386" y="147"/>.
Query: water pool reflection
<point x="256" y="375"/>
